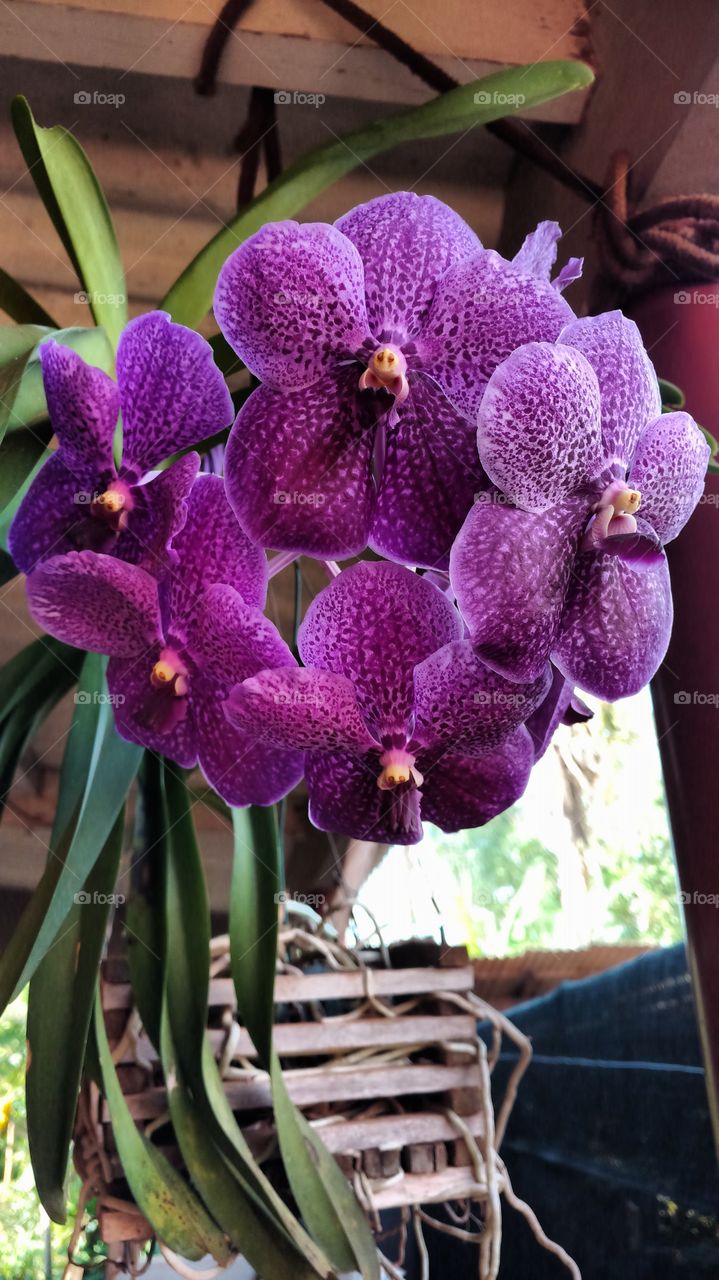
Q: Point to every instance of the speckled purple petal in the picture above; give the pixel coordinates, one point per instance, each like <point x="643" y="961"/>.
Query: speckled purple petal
<point x="373" y="624"/>
<point x="539" y="425"/>
<point x="300" y="707"/>
<point x="298" y="467"/>
<point x="482" y="310"/>
<point x="669" y="470"/>
<point x="627" y="381"/>
<point x="463" y="791"/>
<point x="641" y="547"/>
<point x="171" y="392"/>
<point x="96" y="602"/>
<point x="240" y="767"/>
<point x="230" y="641"/>
<point x="406" y="243"/>
<point x="290" y="301"/>
<point x="616" y="625"/>
<point x="538" y="253"/>
<point x="571" y="271"/>
<point x="431" y="473"/>
<point x="83" y="404"/>
<point x="51" y="517"/>
<point x="210" y="548"/>
<point x="140" y="710"/>
<point x="461" y="704"/>
<point x="509" y="571"/>
<point x="344" y="798"/>
<point x="550" y="713"/>
<point x="159" y="513"/>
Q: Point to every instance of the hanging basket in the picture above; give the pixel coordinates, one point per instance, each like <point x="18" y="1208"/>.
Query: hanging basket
<point x="385" y="1063"/>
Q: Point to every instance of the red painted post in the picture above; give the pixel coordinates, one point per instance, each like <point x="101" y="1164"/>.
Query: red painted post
<point x="680" y="327"/>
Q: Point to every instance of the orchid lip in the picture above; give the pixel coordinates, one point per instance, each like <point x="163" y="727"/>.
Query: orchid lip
<point x="614" y="515"/>
<point x="113" y="505"/>
<point x="398" y="768"/>
<point x="170" y="674"/>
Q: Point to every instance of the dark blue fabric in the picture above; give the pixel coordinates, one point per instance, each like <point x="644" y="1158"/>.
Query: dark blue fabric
<point x="610" y="1139"/>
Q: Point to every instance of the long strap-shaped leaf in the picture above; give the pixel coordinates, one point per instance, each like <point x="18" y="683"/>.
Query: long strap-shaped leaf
<point x="252" y="1212"/>
<point x="328" y="1205"/>
<point x="60" y="1004"/>
<point x="458" y="111"/>
<point x="17" y="343"/>
<point x="74" y="200"/>
<point x="170" y="1206"/>
<point x="98" y="769"/>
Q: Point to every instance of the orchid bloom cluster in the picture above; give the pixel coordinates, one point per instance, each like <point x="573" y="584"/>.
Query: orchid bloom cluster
<point x="420" y="398"/>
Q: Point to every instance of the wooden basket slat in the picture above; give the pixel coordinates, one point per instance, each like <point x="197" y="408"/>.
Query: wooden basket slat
<point x="349" y="984"/>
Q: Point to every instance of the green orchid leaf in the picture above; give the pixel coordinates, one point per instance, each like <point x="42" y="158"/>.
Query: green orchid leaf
<point x="97" y="771"/>
<point x="61" y="998"/>
<point x="327" y="1204"/>
<point x="20" y="305"/>
<point x="72" y="195"/>
<point x="173" y="1210"/>
<point x="671" y="396"/>
<point x="480" y="102"/>
<point x="21" y="454"/>
<point x="17" y="344"/>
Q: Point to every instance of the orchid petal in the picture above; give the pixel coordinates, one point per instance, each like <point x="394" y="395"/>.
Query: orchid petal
<point x="373" y="624"/>
<point x="550" y="713"/>
<point x="628" y="385"/>
<point x="344" y="797"/>
<point x="96" y="602"/>
<point x="510" y="570"/>
<point x="52" y="517"/>
<point x="300" y="707"/>
<point x="229" y="640"/>
<point x="158" y="514"/>
<point x="290" y="302"/>
<point x="151" y="717"/>
<point x="461" y="704"/>
<point x="468" y="791"/>
<point x="539" y="425"/>
<point x="430" y="475"/>
<point x="406" y="243"/>
<point x="615" y="627"/>
<point x="171" y="392"/>
<point x="237" y="764"/>
<point x="210" y="548"/>
<point x="482" y="310"/>
<point x="83" y="404"/>
<point x="669" y="470"/>
<point x="298" y="467"/>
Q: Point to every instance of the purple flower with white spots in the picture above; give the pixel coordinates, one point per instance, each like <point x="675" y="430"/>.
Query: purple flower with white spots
<point x="398" y="717"/>
<point x="374" y="339"/>
<point x="177" y="647"/>
<point x="171" y="395"/>
<point x="564" y="558"/>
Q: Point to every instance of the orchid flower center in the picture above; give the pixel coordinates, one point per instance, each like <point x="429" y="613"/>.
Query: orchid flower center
<point x="170" y="673"/>
<point x="386" y="371"/>
<point x="613" y="514"/>
<point x="397" y="769"/>
<point x="113" y="506"/>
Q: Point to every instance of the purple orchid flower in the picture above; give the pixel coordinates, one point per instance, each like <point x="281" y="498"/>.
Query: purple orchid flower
<point x="177" y="647"/>
<point x="564" y="558"/>
<point x="398" y="717"/>
<point x="374" y="339"/>
<point x="171" y="395"/>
